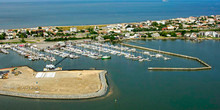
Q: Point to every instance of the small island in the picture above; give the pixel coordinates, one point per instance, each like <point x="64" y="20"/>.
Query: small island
<point x="66" y="84"/>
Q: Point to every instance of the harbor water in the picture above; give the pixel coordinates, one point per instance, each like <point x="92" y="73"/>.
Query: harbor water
<point x="132" y="86"/>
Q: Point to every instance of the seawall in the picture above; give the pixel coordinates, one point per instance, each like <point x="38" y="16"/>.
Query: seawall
<point x="101" y="92"/>
<point x="206" y="66"/>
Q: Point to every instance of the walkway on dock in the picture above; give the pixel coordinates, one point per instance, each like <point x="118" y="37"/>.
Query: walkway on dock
<point x="206" y="66"/>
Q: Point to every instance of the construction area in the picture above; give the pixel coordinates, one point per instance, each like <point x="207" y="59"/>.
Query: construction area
<point x="71" y="84"/>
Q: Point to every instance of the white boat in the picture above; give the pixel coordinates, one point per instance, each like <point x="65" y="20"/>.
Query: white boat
<point x="158" y="55"/>
<point x="51" y="67"/>
<point x="141" y="60"/>
<point x="166" y="58"/>
<point x="106" y="57"/>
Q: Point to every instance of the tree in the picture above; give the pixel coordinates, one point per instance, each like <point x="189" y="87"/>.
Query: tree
<point x="183" y="32"/>
<point x="33" y="32"/>
<point x="39" y="27"/>
<point x="27" y="32"/>
<point x="180" y="26"/>
<point x="41" y="34"/>
<point x="2" y="36"/>
<point x="60" y="30"/>
<point x="22" y="36"/>
<point x="149" y="34"/>
<point x="173" y="34"/>
<point x="164" y="33"/>
<point x="15" y="31"/>
<point x="154" y="24"/>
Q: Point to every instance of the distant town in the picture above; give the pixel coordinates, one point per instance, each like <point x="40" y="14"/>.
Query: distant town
<point x="203" y="27"/>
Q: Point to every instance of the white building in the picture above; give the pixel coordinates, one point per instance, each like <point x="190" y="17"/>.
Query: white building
<point x="155" y="35"/>
<point x="74" y="29"/>
<point x="100" y="39"/>
<point x="2" y="31"/>
<point x="211" y="34"/>
<point x="170" y="27"/>
<point x="130" y="29"/>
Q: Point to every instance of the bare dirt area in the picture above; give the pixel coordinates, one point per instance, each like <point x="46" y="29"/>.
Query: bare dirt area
<point x="62" y="83"/>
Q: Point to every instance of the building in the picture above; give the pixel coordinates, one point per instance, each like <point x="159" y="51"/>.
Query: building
<point x="155" y="35"/>
<point x="130" y="29"/>
<point x="193" y="36"/>
<point x="100" y="39"/>
<point x="170" y="27"/>
<point x="74" y="29"/>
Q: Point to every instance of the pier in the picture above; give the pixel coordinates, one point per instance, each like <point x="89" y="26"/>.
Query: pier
<point x="206" y="66"/>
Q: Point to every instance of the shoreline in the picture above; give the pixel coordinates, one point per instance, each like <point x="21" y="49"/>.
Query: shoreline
<point x="101" y="92"/>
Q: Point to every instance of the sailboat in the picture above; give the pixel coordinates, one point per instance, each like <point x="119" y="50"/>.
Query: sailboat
<point x="158" y="55"/>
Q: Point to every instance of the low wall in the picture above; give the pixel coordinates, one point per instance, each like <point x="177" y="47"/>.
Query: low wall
<point x="101" y="92"/>
<point x="207" y="67"/>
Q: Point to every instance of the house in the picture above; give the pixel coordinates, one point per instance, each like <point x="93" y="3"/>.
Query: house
<point x="211" y="34"/>
<point x="2" y="31"/>
<point x="115" y="31"/>
<point x="155" y="35"/>
<point x="127" y="34"/>
<point x="168" y="35"/>
<point x="170" y="27"/>
<point x="100" y="39"/>
<point x="66" y="32"/>
<point x="217" y="17"/>
<point x="179" y="34"/>
<point x="211" y="21"/>
<point x="9" y="37"/>
<point x="61" y="44"/>
<point x="74" y="29"/>
<point x="130" y="29"/>
<point x="193" y="36"/>
<point x="161" y="22"/>
<point x="165" y="28"/>
<point x="187" y="35"/>
<point x="46" y="34"/>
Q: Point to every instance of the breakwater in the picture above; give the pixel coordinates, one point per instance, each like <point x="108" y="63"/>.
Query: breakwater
<point x="102" y="91"/>
<point x="206" y="66"/>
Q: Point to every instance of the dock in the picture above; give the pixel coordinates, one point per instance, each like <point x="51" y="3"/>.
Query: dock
<point x="206" y="66"/>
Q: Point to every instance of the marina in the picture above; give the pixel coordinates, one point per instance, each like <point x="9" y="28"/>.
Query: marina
<point x="102" y="51"/>
<point x="92" y="50"/>
<point x="154" y="87"/>
<point x="109" y="54"/>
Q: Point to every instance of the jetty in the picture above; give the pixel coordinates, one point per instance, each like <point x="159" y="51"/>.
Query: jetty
<point x="206" y="66"/>
<point x="66" y="84"/>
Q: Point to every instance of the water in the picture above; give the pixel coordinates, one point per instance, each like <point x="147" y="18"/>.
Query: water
<point x="133" y="85"/>
<point x="33" y="14"/>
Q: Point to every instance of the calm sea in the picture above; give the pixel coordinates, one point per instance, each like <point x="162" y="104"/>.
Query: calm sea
<point x="32" y="14"/>
<point x="134" y="87"/>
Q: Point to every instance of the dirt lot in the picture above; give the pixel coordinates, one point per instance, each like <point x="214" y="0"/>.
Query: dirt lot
<point x="64" y="82"/>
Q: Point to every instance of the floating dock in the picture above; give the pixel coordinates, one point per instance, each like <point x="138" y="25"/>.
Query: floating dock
<point x="206" y="66"/>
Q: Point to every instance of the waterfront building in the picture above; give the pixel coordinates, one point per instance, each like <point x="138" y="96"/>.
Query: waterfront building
<point x="155" y="35"/>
